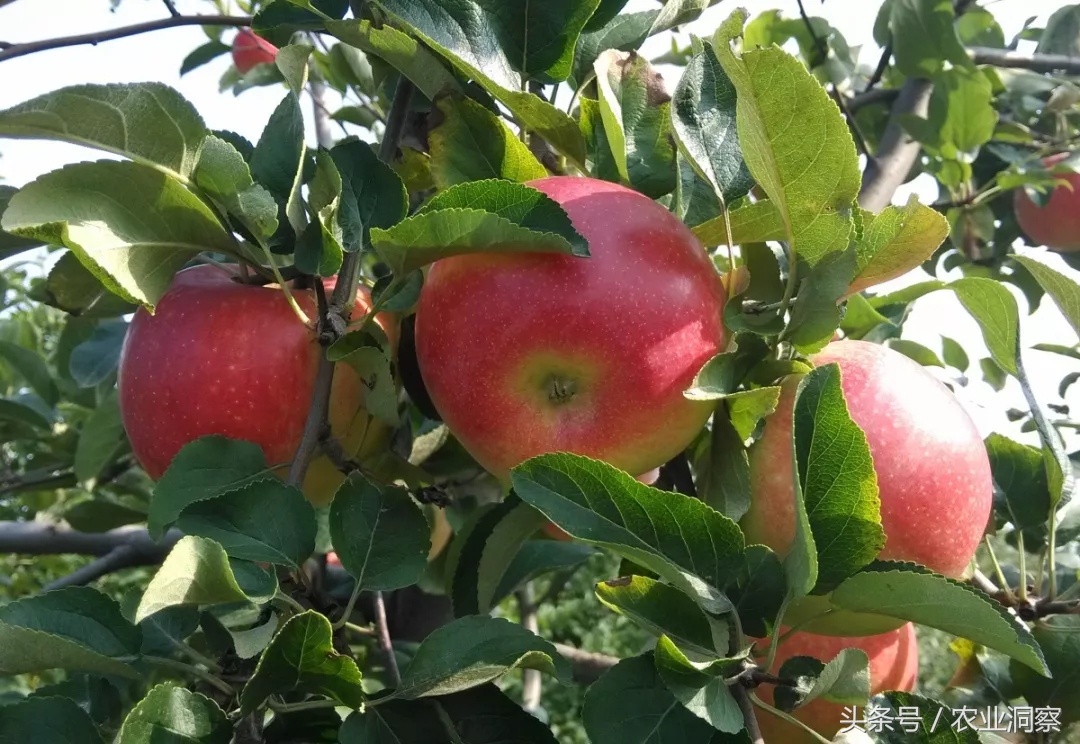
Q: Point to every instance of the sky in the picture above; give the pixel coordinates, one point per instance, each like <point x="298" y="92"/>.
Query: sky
<point x="158" y="56"/>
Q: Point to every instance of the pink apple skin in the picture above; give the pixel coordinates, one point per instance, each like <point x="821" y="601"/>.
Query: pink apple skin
<point x="219" y="357"/>
<point x="530" y="353"/>
<point x="894" y="665"/>
<point x="249" y="50"/>
<point x="1056" y="225"/>
<point x="933" y="473"/>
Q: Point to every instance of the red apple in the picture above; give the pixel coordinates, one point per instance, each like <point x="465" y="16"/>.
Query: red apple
<point x="220" y="357"/>
<point x="332" y="559"/>
<point x="894" y="665"/>
<point x="249" y="50"/>
<point x="1056" y="225"/>
<point x="528" y="353"/>
<point x="932" y="470"/>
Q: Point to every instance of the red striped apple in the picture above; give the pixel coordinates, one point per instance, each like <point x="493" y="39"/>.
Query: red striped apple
<point x="1057" y="224"/>
<point x="894" y="665"/>
<point x="932" y="469"/>
<point x="249" y="50"/>
<point x="529" y="353"/>
<point x="221" y="357"/>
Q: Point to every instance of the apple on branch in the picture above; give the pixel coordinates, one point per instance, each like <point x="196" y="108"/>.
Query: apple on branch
<point x="249" y="50"/>
<point x="529" y="353"/>
<point x="222" y="357"/>
<point x="1057" y="223"/>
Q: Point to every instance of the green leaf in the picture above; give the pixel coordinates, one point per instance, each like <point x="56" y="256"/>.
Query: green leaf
<point x="994" y="308"/>
<point x="915" y="351"/>
<point x="11" y="245"/>
<point x="199" y="56"/>
<point x="844" y="679"/>
<point x="485" y="551"/>
<point x="250" y="643"/>
<point x="204" y="469"/>
<point x="636" y="112"/>
<point x="265" y="521"/>
<point x="752" y="223"/>
<point x="954" y="355"/>
<point x="403" y="295"/>
<point x="486" y="714"/>
<point x="132" y="226"/>
<point x="18" y="413"/>
<point x="148" y="122"/>
<point x="704" y="694"/>
<point x="634" y="685"/>
<point x="1019" y="473"/>
<point x="195" y="572"/>
<point x="536" y="558"/>
<point x="1062" y="32"/>
<point x="173" y="715"/>
<point x="77" y="629"/>
<point x="748" y="407"/>
<point x="224" y="175"/>
<point x="1065" y="291"/>
<point x="29" y="365"/>
<point x="694" y="201"/>
<point x="719" y="376"/>
<point x="703" y="114"/>
<point x="994" y="375"/>
<point x="301" y="658"/>
<point x="686" y="542"/>
<point x="924" y="37"/>
<point x="664" y="611"/>
<point x="1059" y="638"/>
<point x="96" y="358"/>
<point x="861" y="318"/>
<point x="292" y="60"/>
<point x="909" y="592"/>
<point x="961" y="117"/>
<point x="468" y="142"/>
<point x="72" y="288"/>
<point x="277" y="163"/>
<point x="57" y="720"/>
<point x="929" y="725"/>
<point x="605" y="11"/>
<point x="396" y="722"/>
<point x="473" y="650"/>
<point x="507" y="41"/>
<point x="278" y="21"/>
<point x="164" y="631"/>
<point x="372" y="194"/>
<point x="815" y="315"/>
<point x="625" y="32"/>
<point x="399" y="50"/>
<point x="896" y="241"/>
<point x="837" y="479"/>
<point x="760" y="591"/>
<point x="380" y="534"/>
<point x="810" y="172"/>
<point x="462" y="34"/>
<point x="723" y="468"/>
<point x="371" y="362"/>
<point x="434" y="234"/>
<point x="100" y="440"/>
<point x="319" y="249"/>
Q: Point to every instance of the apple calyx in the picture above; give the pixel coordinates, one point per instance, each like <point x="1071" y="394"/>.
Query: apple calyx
<point x="561" y="389"/>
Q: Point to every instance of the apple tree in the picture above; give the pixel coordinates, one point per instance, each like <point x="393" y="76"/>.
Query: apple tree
<point x="532" y="377"/>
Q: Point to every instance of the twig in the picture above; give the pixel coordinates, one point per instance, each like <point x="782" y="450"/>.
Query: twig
<point x="38" y="538"/>
<point x="385" y="643"/>
<point x="205" y="676"/>
<point x="870" y="97"/>
<point x="898" y="151"/>
<point x="531" y="679"/>
<point x="879" y="71"/>
<point x="982" y="581"/>
<point x="587" y="666"/>
<point x="753" y="729"/>
<point x="321" y="115"/>
<point x="171" y="7"/>
<point x="120" y="557"/>
<point x="95" y="37"/>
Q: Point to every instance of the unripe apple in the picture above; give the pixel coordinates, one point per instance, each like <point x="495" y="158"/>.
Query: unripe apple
<point x="529" y="353"/>
<point x="933" y="473"/>
<point x="894" y="665"/>
<point x="249" y="50"/>
<point x="221" y="357"/>
<point x="1056" y="225"/>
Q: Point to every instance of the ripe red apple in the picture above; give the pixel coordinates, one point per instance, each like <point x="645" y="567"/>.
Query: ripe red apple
<point x="1056" y="225"/>
<point x="528" y="353"/>
<point x="249" y="50"/>
<point x="932" y="470"/>
<point x="220" y="357"/>
<point x="894" y="665"/>
<point x="332" y="559"/>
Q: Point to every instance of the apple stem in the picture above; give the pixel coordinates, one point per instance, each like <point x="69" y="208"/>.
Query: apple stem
<point x="347" y="613"/>
<point x="285" y="287"/>
<point x="998" y="572"/>
<point x="194" y="671"/>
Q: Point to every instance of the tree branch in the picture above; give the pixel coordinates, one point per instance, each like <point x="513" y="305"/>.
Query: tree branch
<point x="124" y="547"/>
<point x="587" y="666"/>
<point x="742" y="697"/>
<point x="531" y="680"/>
<point x="898" y="151"/>
<point x="1033" y="62"/>
<point x="171" y="7"/>
<point x="31" y="47"/>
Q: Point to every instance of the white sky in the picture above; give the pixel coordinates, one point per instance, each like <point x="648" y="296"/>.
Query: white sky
<point x="157" y="56"/>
